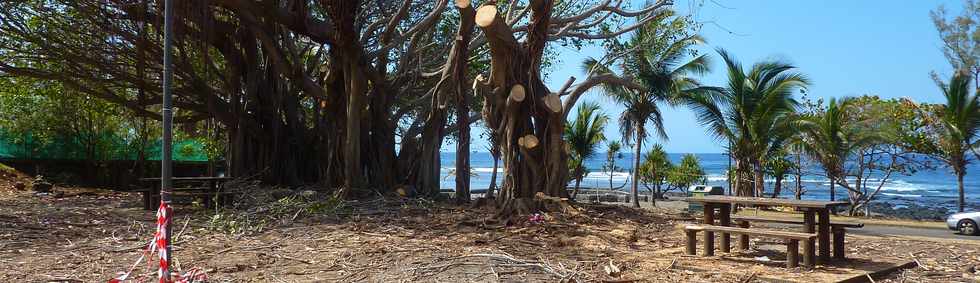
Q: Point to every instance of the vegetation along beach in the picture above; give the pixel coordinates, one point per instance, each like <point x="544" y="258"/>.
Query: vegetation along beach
<point x="489" y="141"/>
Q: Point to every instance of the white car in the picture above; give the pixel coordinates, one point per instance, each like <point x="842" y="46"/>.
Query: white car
<point x="964" y="222"/>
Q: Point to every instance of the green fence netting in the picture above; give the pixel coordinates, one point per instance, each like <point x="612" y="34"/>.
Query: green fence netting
<point x="109" y="147"/>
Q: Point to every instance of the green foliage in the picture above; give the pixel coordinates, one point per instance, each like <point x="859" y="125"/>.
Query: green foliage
<point x="688" y="172"/>
<point x="654" y="57"/>
<point x="655" y="167"/>
<point x="778" y="164"/>
<point x="754" y="113"/>
<point x="960" y="35"/>
<point x="583" y="136"/>
<point x="280" y="212"/>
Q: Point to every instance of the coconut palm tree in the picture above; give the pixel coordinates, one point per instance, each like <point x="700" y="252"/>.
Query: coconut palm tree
<point x="826" y="140"/>
<point x="654" y="171"/>
<point x="664" y="74"/>
<point x="753" y="113"/>
<point x="583" y="136"/>
<point x="960" y="127"/>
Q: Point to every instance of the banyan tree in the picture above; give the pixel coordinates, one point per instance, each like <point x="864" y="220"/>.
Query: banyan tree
<point x="356" y="96"/>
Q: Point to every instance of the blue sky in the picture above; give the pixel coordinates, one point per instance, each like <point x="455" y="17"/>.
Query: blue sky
<point x="847" y="48"/>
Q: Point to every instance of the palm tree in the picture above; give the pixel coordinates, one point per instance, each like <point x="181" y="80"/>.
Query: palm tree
<point x="583" y="135"/>
<point x="778" y="166"/>
<point x="612" y="153"/>
<point x="654" y="170"/>
<point x="827" y="142"/>
<point x="829" y="139"/>
<point x="660" y="69"/>
<point x="753" y="113"/>
<point x="960" y="126"/>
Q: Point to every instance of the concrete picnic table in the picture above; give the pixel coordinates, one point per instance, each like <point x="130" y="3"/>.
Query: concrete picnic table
<point x="811" y="208"/>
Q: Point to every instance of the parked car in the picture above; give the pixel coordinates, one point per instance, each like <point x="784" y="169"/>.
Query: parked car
<point x="964" y="222"/>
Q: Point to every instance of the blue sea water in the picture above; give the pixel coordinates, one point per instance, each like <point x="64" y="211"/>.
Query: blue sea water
<point x="931" y="188"/>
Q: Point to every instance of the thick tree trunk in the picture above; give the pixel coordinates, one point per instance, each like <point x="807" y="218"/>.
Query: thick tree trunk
<point x="459" y="66"/>
<point x="524" y="114"/>
<point x="634" y="187"/>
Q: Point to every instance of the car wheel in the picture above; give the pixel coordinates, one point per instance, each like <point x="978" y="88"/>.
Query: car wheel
<point x="968" y="227"/>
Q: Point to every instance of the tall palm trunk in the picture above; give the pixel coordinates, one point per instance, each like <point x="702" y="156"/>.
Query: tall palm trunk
<point x="634" y="189"/>
<point x="578" y="181"/>
<point x="959" y="182"/>
<point x="832" y="193"/>
<point x="777" y="187"/>
<point x="760" y="176"/>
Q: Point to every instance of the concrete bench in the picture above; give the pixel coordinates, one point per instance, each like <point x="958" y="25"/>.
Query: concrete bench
<point x="837" y="229"/>
<point x="792" y="239"/>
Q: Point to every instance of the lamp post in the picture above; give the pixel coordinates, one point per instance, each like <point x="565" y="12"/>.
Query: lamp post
<point x="166" y="173"/>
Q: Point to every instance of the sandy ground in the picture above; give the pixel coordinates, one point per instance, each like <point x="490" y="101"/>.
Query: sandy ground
<point x="89" y="235"/>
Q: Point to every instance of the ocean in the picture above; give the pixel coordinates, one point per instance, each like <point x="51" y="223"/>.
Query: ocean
<point x="929" y="188"/>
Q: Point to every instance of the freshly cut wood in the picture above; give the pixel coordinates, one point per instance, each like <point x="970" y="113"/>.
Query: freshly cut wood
<point x="462" y="4"/>
<point x="517" y="93"/>
<point x="528" y="141"/>
<point x="486" y="15"/>
<point x="553" y="102"/>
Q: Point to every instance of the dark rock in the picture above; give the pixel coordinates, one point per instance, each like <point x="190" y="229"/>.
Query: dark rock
<point x="40" y="185"/>
<point x="20" y="186"/>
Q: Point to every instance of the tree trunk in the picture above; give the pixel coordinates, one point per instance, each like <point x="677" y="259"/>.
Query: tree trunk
<point x="760" y="178"/>
<point x="799" y="177"/>
<point x="524" y="114"/>
<point x="832" y="192"/>
<point x="638" y="145"/>
<point x="461" y="56"/>
<point x="959" y="182"/>
<point x="777" y="187"/>
<point x="493" y="177"/>
<point x="578" y="181"/>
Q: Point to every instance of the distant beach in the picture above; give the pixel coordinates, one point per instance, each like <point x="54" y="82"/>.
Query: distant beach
<point x="926" y="189"/>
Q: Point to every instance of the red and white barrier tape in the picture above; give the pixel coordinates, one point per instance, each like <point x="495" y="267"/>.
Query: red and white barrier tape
<point x="159" y="245"/>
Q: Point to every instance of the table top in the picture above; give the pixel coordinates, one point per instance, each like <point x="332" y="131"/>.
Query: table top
<point x="763" y="201"/>
<point x="189" y="179"/>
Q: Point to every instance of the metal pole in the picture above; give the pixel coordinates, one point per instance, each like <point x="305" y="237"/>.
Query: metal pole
<point x="166" y="173"/>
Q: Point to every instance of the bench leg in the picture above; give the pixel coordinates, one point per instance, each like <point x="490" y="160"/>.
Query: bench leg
<point x="823" y="234"/>
<point x="147" y="202"/>
<point x="709" y="237"/>
<point x="809" y="226"/>
<point x="838" y="242"/>
<point x="726" y="214"/>
<point x="808" y="257"/>
<point x="792" y="253"/>
<point x="692" y="242"/>
<point x="743" y="240"/>
<point x="709" y="244"/>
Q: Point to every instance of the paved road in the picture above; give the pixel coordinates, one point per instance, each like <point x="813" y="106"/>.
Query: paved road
<point x="888" y="230"/>
<point x="881" y="230"/>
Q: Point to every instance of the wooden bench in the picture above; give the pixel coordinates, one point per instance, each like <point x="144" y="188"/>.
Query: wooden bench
<point x="837" y="229"/>
<point x="792" y="242"/>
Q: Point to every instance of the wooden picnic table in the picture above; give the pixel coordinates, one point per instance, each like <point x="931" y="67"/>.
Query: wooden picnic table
<point x="811" y="208"/>
<point x="151" y="195"/>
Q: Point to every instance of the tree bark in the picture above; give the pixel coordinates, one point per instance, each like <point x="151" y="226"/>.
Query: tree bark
<point x="959" y="183"/>
<point x="638" y="146"/>
<point x="461" y="56"/>
<point x="529" y="131"/>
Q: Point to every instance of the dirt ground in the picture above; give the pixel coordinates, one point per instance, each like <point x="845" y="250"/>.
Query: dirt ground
<point x="88" y="235"/>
